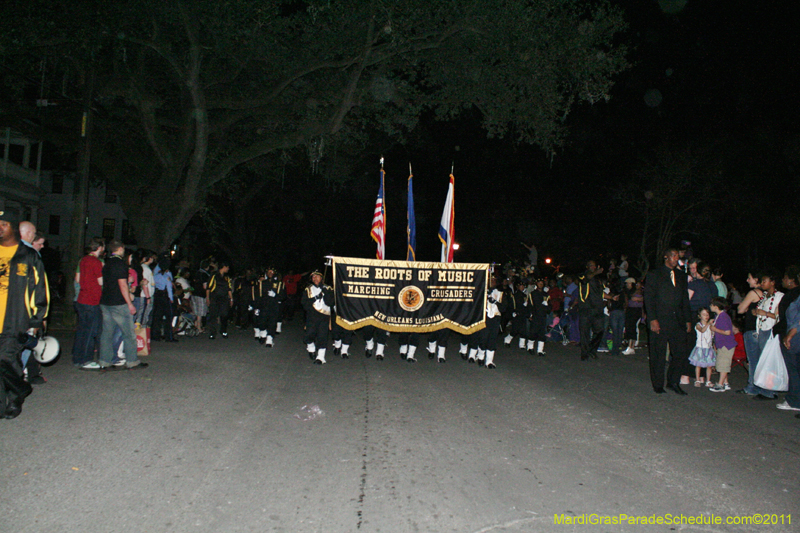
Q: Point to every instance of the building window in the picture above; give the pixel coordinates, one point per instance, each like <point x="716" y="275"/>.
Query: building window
<point x="127" y="233"/>
<point x="54" y="227"/>
<point x="58" y="184"/>
<point x="109" y="228"/>
<point x="16" y="154"/>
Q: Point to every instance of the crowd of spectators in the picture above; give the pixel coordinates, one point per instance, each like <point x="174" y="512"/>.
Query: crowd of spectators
<point x="602" y="309"/>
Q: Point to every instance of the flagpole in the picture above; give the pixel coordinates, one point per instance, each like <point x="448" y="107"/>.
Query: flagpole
<point x="446" y="227"/>
<point x="378" y="230"/>
<point x="411" y="225"/>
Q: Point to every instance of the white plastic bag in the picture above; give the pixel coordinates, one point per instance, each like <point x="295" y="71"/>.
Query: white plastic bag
<point x="771" y="371"/>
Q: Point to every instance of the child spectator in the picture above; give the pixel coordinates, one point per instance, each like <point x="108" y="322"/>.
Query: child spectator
<point x="702" y="355"/>
<point x="724" y="340"/>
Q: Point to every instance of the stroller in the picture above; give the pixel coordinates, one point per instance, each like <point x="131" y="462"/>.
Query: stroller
<point x="557" y="329"/>
<point x="186" y="325"/>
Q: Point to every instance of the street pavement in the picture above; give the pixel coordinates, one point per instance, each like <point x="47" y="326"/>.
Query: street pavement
<point x="226" y="435"/>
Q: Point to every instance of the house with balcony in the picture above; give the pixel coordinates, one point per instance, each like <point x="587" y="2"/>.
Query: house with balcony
<point x="47" y="197"/>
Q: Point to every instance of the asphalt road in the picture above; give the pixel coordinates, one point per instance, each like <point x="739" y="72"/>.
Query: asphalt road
<point x="213" y="437"/>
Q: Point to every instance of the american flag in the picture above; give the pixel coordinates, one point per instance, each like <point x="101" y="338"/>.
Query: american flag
<point x="378" y="231"/>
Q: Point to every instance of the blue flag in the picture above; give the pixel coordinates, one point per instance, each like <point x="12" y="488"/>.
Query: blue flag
<point x="411" y="253"/>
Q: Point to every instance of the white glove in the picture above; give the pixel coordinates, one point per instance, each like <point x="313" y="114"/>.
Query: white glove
<point x="257" y="312"/>
<point x="249" y="307"/>
<point x="271" y="293"/>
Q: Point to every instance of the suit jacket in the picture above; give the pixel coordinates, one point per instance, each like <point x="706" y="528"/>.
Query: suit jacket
<point x="665" y="302"/>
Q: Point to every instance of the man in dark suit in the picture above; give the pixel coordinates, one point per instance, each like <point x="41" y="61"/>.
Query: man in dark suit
<point x="666" y="300"/>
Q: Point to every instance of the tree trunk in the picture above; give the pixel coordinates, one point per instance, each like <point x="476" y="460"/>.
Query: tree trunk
<point x="77" y="234"/>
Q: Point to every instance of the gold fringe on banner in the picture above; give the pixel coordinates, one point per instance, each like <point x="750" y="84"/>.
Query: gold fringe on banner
<point x="448" y="324"/>
<point x="404" y="268"/>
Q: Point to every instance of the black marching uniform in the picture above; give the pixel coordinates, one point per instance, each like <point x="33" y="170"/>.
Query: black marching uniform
<point x="220" y="295"/>
<point x="484" y="342"/>
<point x="317" y="301"/>
<point x="274" y="294"/>
<point x="241" y="300"/>
<point x="437" y="342"/>
<point x="520" y="316"/>
<point x="375" y="340"/>
<point x="590" y="313"/>
<point x="537" y="328"/>
<point x="342" y="338"/>
<point x="409" y="342"/>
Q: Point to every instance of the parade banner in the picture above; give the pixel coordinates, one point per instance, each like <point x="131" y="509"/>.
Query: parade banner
<point x="410" y="296"/>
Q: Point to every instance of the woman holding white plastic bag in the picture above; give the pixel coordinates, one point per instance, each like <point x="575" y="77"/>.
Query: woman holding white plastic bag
<point x="767" y="315"/>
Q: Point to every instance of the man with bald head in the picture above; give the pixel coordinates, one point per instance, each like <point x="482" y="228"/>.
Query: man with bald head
<point x="30" y="237"/>
<point x="27" y="232"/>
<point x="24" y="301"/>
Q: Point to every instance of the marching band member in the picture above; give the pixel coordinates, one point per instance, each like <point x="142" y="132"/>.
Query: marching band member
<point x="342" y="338"/>
<point x="484" y="342"/>
<point x="317" y="302"/>
<point x="537" y="328"/>
<point x="520" y="314"/>
<point x="274" y="297"/>
<point x="438" y="342"/>
<point x="257" y="307"/>
<point x="372" y="337"/>
<point x="409" y="341"/>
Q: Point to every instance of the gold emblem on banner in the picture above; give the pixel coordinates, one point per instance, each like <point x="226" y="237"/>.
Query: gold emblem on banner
<point x="411" y="298"/>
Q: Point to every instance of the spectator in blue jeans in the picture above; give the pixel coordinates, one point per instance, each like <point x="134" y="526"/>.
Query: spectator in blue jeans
<point x="790" y="347"/>
<point x="90" y="318"/>
<point x="789" y="320"/>
<point x="116" y="305"/>
<point x="616" y="313"/>
<point x="767" y="315"/>
<point x="747" y="309"/>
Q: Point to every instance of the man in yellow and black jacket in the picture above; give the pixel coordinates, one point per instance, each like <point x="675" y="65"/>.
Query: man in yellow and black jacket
<point x="591" y="302"/>
<point x="24" y="302"/>
<point x="219" y="296"/>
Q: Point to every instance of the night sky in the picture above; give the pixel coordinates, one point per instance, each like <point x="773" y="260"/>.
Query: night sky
<point x="713" y="74"/>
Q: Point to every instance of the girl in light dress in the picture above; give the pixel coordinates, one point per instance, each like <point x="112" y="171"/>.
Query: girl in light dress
<point x="703" y="355"/>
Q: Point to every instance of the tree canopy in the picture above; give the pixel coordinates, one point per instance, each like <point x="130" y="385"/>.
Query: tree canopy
<point x="182" y="94"/>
